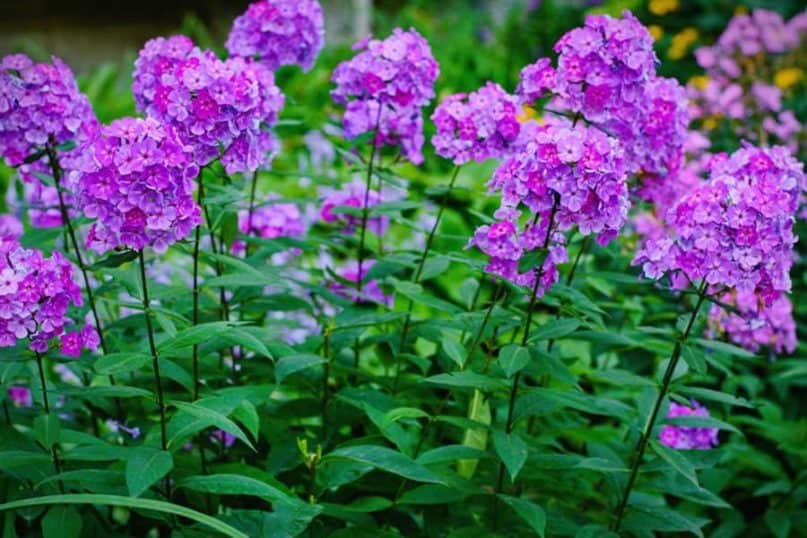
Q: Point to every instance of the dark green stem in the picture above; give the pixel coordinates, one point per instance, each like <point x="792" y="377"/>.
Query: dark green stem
<point x="156" y="365"/>
<point x="326" y="372"/>
<point x="651" y="420"/>
<point x="251" y="209"/>
<point x="196" y="240"/>
<point x="57" y="466"/>
<point x="524" y="340"/>
<point x="365" y="205"/>
<point x="570" y="278"/>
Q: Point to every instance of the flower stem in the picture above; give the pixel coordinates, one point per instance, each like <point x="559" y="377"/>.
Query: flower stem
<point x="417" y="275"/>
<point x="570" y="278"/>
<point x="524" y="340"/>
<point x="196" y="240"/>
<point x="365" y="205"/>
<point x="56" y="169"/>
<point x="651" y="420"/>
<point x="57" y="466"/>
<point x="326" y="354"/>
<point x="251" y="209"/>
<point x="156" y="365"/>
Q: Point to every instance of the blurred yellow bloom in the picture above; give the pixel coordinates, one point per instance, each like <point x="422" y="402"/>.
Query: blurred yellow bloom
<point x="740" y="10"/>
<point x="527" y="114"/>
<point x="699" y="81"/>
<point x="681" y="42"/>
<point x="656" y="31"/>
<point x="787" y="77"/>
<point x="710" y="123"/>
<point x="662" y="7"/>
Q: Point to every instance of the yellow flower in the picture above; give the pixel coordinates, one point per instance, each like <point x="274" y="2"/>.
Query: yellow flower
<point x="662" y="7"/>
<point x="681" y="42"/>
<point x="787" y="77"/>
<point x="699" y="81"/>
<point x="527" y="113"/>
<point x="740" y="10"/>
<point x="656" y="31"/>
<point x="710" y="123"/>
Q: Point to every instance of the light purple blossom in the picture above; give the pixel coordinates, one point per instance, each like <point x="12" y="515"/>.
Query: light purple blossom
<point x="20" y="396"/>
<point x="370" y="292"/>
<point x="352" y="195"/>
<point x="279" y="32"/>
<point x="478" y="126"/>
<point x="755" y="324"/>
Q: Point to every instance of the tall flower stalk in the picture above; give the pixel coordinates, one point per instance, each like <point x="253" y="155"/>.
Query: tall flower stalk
<point x="365" y="208"/>
<point x="57" y="466"/>
<point x="641" y="445"/>
<point x="155" y="361"/>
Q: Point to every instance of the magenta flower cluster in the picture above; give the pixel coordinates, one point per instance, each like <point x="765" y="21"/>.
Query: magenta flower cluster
<point x="753" y="324"/>
<point x="568" y="176"/>
<point x="353" y="195"/>
<point x="688" y="437"/>
<point x="137" y="180"/>
<point x="479" y="126"/>
<point x="370" y="292"/>
<point x="606" y="76"/>
<point x="35" y="295"/>
<point x="272" y="220"/>
<point x="734" y="230"/>
<point x="20" y="396"/>
<point x="279" y="32"/>
<point x="384" y="88"/>
<point x="220" y="108"/>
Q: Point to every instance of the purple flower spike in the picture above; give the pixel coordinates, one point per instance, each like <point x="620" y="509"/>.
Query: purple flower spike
<point x="686" y="437"/>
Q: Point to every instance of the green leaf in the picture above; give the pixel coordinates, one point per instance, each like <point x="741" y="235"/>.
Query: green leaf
<point x="214" y="418"/>
<point x="513" y="358"/>
<point x="434" y="267"/>
<point x="528" y="511"/>
<point x="229" y="228"/>
<point x="126" y="502"/>
<point x="387" y="460"/>
<point x="119" y="363"/>
<point x="196" y="335"/>
<point x="247" y="415"/>
<point x="115" y="260"/>
<point x="450" y="454"/>
<point x="554" y="329"/>
<point x="234" y="484"/>
<point x="702" y="422"/>
<point x="295" y="363"/>
<point x="677" y="461"/>
<point x="694" y="358"/>
<point x="454" y="350"/>
<point x="601" y="464"/>
<point x="715" y="396"/>
<point x="512" y="450"/>
<point x="433" y="494"/>
<point x="47" y="429"/>
<point x="467" y="380"/>
<point x="398" y="413"/>
<point x="415" y="292"/>
<point x="369" y="504"/>
<point x="475" y="438"/>
<point x="144" y="467"/>
<point x="61" y="522"/>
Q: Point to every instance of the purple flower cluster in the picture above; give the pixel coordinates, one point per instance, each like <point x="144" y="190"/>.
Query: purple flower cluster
<point x="688" y="437"/>
<point x="741" y="80"/>
<point x="10" y="232"/>
<point x="137" y="180"/>
<point x="20" y="396"/>
<point x="756" y="324"/>
<point x="734" y="230"/>
<point x="40" y="104"/>
<point x="567" y="176"/>
<point x="279" y="32"/>
<point x="606" y="76"/>
<point x="35" y="294"/>
<point x="370" y="291"/>
<point x="219" y="108"/>
<point x="352" y="195"/>
<point x="270" y="221"/>
<point x="483" y="126"/>
<point x="384" y="87"/>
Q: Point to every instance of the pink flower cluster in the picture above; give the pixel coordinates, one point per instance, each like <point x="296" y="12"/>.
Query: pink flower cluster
<point x="478" y="126"/>
<point x="734" y="230"/>
<point x="606" y="76"/>
<point x="279" y="32"/>
<point x="219" y="108"/>
<point x="137" y="180"/>
<point x="756" y="324"/>
<point x="352" y="195"/>
<point x="567" y="176"/>
<point x="688" y="437"/>
<point x="370" y="290"/>
<point x="20" y="396"/>
<point x="35" y="294"/>
<point x="384" y="87"/>
<point x="738" y="88"/>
